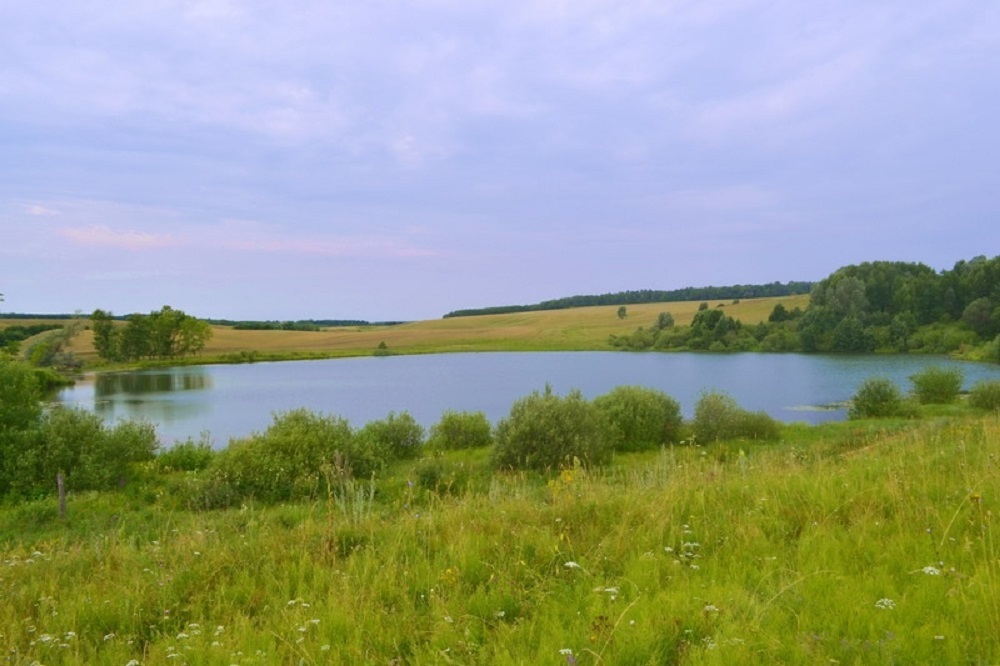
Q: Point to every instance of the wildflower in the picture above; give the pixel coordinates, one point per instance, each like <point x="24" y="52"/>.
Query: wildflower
<point x="448" y="619"/>
<point x="931" y="571"/>
<point x="325" y="648"/>
<point x="132" y="662"/>
<point x="566" y="652"/>
<point x="885" y="604"/>
<point x="711" y="608"/>
<point x="572" y="565"/>
<point x="108" y="637"/>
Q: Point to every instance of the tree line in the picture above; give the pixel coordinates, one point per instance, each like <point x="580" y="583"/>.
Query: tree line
<point x="877" y="306"/>
<point x="165" y="333"/>
<point x="635" y="297"/>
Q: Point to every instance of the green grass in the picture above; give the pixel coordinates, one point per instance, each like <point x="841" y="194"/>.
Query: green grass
<point x="860" y="542"/>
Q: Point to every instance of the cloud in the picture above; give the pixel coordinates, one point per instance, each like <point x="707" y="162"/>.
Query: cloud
<point x="100" y="235"/>
<point x="39" y="211"/>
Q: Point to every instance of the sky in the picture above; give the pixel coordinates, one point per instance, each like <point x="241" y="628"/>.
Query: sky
<point x="381" y="160"/>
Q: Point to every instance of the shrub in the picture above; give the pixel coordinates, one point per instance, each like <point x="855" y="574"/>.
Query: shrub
<point x="397" y="436"/>
<point x="545" y="431"/>
<point x="187" y="456"/>
<point x="643" y="418"/>
<point x="717" y="416"/>
<point x="91" y="455"/>
<point x="985" y="395"/>
<point x="937" y="386"/>
<point x="878" y="398"/>
<point x="461" y="430"/>
<point x="299" y="455"/>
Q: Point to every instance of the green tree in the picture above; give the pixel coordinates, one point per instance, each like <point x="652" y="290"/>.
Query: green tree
<point x="664" y="320"/>
<point x="622" y="312"/>
<point x="982" y="317"/>
<point x="937" y="386"/>
<point x="106" y="336"/>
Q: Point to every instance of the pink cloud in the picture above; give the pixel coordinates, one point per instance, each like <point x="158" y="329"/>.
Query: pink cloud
<point x="99" y="235"/>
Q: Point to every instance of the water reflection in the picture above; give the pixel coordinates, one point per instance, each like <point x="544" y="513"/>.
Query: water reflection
<point x="165" y="397"/>
<point x="141" y="383"/>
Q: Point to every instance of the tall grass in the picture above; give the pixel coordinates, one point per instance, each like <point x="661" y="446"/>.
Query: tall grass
<point x="855" y="544"/>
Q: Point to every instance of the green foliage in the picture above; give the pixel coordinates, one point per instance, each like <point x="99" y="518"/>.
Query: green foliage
<point x="20" y="417"/>
<point x="622" y="312"/>
<point x="546" y="432"/>
<point x="164" y="333"/>
<point x="643" y="418"/>
<point x="460" y="430"/>
<point x="93" y="456"/>
<point x="663" y="320"/>
<point x="186" y="456"/>
<point x="397" y="436"/>
<point x="301" y="454"/>
<point x="735" y="292"/>
<point x="717" y="416"/>
<point x="937" y="386"/>
<point x="11" y="335"/>
<point x="878" y="397"/>
<point x="985" y="395"/>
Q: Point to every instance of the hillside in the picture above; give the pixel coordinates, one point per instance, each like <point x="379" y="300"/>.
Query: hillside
<point x="556" y="330"/>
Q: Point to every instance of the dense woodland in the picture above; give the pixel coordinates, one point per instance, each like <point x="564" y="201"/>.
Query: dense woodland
<point x="870" y="307"/>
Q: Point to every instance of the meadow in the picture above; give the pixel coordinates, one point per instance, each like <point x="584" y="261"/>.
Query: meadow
<point x="553" y="330"/>
<point x="862" y="542"/>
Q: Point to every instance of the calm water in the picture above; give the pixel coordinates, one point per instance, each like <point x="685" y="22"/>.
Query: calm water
<point x="234" y="400"/>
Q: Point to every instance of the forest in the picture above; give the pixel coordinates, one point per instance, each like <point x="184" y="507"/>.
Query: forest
<point x="882" y="306"/>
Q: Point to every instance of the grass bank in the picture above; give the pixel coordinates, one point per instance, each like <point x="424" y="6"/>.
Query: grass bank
<point x="859" y="542"/>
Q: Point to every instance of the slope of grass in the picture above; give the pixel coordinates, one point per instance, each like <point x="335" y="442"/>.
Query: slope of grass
<point x="860" y="543"/>
<point x="555" y="330"/>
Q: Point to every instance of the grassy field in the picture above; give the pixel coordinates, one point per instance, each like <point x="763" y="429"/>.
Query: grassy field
<point x="851" y="543"/>
<point x="553" y="330"/>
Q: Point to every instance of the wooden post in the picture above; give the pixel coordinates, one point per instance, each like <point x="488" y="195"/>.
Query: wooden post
<point x="61" y="485"/>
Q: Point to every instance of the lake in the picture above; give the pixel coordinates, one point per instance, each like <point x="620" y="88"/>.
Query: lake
<point x="229" y="401"/>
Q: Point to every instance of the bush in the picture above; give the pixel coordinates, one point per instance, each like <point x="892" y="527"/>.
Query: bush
<point x="187" y="456"/>
<point x="91" y="455"/>
<point x="397" y="436"/>
<point x="300" y="455"/>
<point x="643" y="418"/>
<point x="461" y="430"/>
<point x="878" y="398"/>
<point x="717" y="416"/>
<point x="544" y="431"/>
<point x="985" y="395"/>
<point x="937" y="386"/>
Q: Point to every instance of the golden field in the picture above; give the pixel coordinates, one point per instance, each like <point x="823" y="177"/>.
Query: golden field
<point x="551" y="330"/>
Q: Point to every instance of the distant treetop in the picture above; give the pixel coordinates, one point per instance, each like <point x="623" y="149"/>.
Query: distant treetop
<point x="650" y="296"/>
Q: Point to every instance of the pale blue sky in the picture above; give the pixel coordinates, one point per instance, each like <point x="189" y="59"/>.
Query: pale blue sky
<point x="397" y="160"/>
